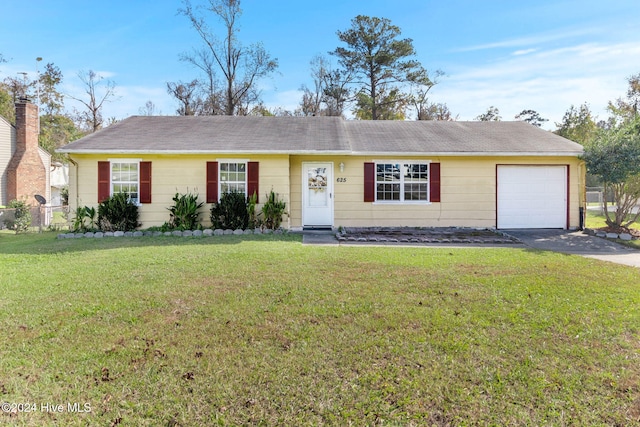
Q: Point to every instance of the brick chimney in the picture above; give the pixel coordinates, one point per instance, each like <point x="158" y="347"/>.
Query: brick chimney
<point x="26" y="173"/>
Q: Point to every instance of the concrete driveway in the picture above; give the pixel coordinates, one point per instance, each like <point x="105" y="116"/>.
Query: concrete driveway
<point x="577" y="243"/>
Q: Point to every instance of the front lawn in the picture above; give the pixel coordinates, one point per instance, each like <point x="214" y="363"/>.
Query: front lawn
<point x="256" y="330"/>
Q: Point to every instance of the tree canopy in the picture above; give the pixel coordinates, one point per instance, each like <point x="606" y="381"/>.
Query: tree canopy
<point x="378" y="64"/>
<point x="578" y="125"/>
<point x="491" y="115"/>
<point x="531" y="117"/>
<point x="615" y="158"/>
<point x="613" y="155"/>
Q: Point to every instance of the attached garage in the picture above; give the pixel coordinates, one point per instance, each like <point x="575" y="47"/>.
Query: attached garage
<point x="532" y="196"/>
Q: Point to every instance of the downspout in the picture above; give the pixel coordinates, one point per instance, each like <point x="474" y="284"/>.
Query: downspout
<point x="582" y="176"/>
<point x="75" y="165"/>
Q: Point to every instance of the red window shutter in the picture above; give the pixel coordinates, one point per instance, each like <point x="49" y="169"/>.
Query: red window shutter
<point x="104" y="183"/>
<point x="253" y="178"/>
<point x="145" y="182"/>
<point x="369" y="182"/>
<point x="212" y="182"/>
<point x="434" y="182"/>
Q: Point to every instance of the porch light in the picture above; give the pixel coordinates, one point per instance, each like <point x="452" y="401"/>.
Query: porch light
<point x="341" y="166"/>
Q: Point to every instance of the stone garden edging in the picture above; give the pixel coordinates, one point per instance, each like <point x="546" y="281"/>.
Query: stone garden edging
<point x="605" y="235"/>
<point x="176" y="233"/>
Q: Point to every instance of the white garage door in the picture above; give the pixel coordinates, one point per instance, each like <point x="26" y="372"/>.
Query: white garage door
<point x="532" y="196"/>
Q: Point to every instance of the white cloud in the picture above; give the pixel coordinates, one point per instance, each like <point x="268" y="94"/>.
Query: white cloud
<point x="536" y="39"/>
<point x="548" y="81"/>
<point x="524" y="52"/>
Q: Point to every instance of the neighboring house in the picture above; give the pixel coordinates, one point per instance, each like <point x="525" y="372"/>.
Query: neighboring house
<point x="59" y="180"/>
<point x="24" y="166"/>
<point x="7" y="147"/>
<point x="332" y="172"/>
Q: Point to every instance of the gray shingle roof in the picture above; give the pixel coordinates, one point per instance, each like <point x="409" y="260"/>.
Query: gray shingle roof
<point x="320" y="135"/>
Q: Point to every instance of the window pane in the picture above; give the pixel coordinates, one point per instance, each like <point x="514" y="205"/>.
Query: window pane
<point x="415" y="192"/>
<point x="402" y="181"/>
<point x="124" y="179"/>
<point x="233" y="177"/>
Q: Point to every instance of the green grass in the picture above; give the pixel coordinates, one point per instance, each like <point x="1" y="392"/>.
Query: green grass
<point x="257" y="330"/>
<point x="597" y="220"/>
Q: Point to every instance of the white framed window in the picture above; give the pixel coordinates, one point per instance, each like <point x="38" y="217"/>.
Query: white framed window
<point x="125" y="178"/>
<point x="402" y="181"/>
<point x="232" y="176"/>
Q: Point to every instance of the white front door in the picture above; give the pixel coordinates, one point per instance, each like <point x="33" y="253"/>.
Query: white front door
<point x="317" y="194"/>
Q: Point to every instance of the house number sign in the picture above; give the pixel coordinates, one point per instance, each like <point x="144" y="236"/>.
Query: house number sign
<point x="341" y="179"/>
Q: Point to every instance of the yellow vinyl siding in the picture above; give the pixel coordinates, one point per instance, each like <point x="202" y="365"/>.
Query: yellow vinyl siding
<point x="468" y="187"/>
<point x="171" y="175"/>
<point x="468" y="192"/>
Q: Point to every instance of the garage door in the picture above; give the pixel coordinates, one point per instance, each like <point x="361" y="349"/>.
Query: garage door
<point x="532" y="196"/>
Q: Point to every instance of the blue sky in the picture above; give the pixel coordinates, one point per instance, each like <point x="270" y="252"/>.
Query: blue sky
<point x="543" y="55"/>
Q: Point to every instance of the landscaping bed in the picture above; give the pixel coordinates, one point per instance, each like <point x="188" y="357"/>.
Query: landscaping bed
<point x="441" y="235"/>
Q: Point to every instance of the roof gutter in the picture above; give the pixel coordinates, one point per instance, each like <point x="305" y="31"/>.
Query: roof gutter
<point x="334" y="153"/>
<point x="213" y="152"/>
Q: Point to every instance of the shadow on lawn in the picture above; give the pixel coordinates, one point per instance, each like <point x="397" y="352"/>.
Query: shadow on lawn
<point x="48" y="243"/>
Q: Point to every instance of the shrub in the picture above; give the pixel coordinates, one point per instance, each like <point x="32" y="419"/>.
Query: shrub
<point x="118" y="213"/>
<point x="251" y="210"/>
<point x="231" y="212"/>
<point x="64" y="195"/>
<point x="82" y="215"/>
<point x="21" y="217"/>
<point x="272" y="211"/>
<point x="184" y="213"/>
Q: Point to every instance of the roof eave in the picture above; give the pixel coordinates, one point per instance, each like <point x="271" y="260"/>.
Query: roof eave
<point x="336" y="153"/>
<point x="212" y="152"/>
<point x="473" y="153"/>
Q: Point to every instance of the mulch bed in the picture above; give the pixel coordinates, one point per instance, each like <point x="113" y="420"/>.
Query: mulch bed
<point x="451" y="235"/>
<point x="620" y="230"/>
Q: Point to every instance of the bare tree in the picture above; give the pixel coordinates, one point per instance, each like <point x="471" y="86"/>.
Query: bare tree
<point x="436" y="111"/>
<point x="240" y="66"/>
<point x="330" y="90"/>
<point x="98" y="92"/>
<point x="419" y="97"/>
<point x="204" y="60"/>
<point x="187" y="95"/>
<point x="311" y="103"/>
<point x="149" y="109"/>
